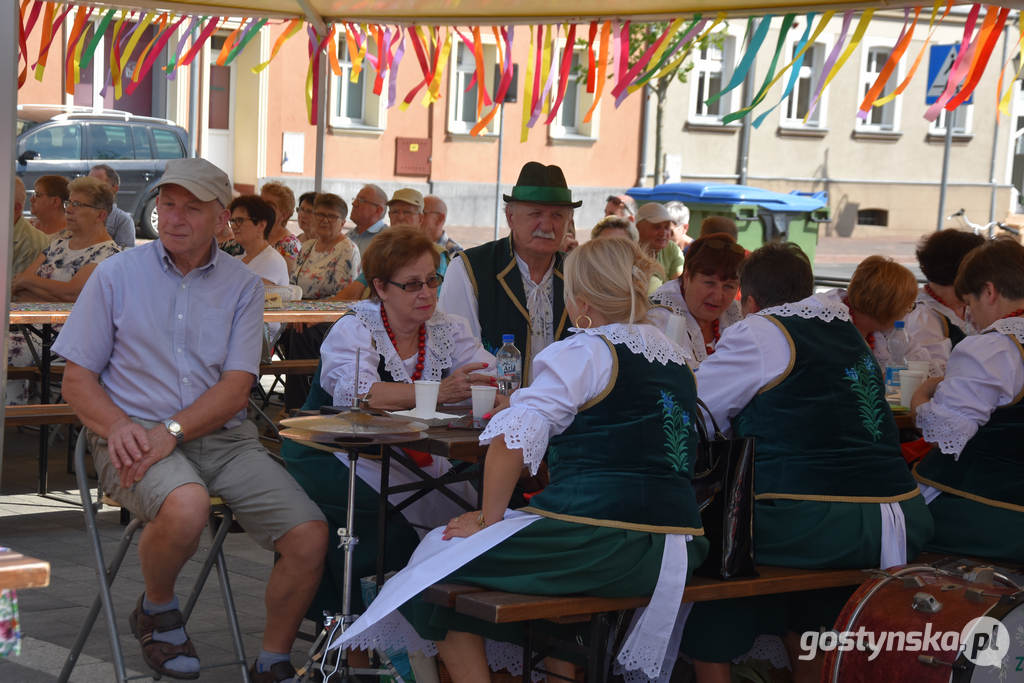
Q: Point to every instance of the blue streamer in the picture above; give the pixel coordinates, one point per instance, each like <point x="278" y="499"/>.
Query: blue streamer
<point x="794" y="74"/>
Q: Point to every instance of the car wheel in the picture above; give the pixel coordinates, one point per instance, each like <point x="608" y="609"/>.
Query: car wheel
<point x="149" y="220"/>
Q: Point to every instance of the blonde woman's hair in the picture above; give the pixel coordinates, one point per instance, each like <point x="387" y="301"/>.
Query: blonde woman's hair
<point x="612" y="276"/>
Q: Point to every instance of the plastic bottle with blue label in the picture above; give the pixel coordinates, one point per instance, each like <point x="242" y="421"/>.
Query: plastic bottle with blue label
<point x="898" y="343"/>
<point x="509" y="365"/>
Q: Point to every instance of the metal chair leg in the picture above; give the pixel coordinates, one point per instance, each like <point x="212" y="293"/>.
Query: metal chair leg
<point x="228" y="599"/>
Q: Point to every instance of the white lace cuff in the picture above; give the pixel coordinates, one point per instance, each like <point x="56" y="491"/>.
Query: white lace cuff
<point x="343" y="389"/>
<point x="950" y="431"/>
<point x="523" y="428"/>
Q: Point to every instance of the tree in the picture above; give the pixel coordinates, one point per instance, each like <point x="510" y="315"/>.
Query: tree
<point x="641" y="38"/>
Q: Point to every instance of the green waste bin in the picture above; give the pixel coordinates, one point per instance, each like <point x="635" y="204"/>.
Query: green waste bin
<point x="760" y="215"/>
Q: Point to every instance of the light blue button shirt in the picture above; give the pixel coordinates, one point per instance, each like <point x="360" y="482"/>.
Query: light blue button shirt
<point x="362" y="240"/>
<point x="159" y="340"/>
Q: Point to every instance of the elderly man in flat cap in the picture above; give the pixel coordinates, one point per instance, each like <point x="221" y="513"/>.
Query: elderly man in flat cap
<point x="514" y="285"/>
<point x="163" y="346"/>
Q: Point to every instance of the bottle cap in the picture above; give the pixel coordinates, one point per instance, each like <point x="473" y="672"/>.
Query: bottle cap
<point x="900" y="324"/>
<point x="508" y="339"/>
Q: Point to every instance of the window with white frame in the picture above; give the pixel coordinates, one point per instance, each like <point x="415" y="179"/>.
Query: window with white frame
<point x="712" y="69"/>
<point x="575" y="103"/>
<point x="353" y="104"/>
<point x="799" y="101"/>
<point x="962" y="118"/>
<point x="884" y="119"/>
<point x="464" y="89"/>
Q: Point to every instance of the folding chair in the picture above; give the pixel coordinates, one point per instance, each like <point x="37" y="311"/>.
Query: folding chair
<point x="221" y="518"/>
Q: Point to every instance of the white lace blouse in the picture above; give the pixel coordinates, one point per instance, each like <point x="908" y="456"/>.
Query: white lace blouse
<point x="984" y="372"/>
<point x="671" y="303"/>
<point x="568" y="374"/>
<point x="927" y="332"/>
<point x="450" y="345"/>
<point x="754" y="352"/>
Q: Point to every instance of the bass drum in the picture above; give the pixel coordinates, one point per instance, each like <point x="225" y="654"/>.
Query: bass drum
<point x="925" y="614"/>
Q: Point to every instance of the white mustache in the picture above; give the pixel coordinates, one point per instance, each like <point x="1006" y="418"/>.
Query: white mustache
<point x="541" y="233"/>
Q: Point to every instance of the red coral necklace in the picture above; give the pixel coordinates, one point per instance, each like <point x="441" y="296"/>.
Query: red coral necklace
<point x="421" y="355"/>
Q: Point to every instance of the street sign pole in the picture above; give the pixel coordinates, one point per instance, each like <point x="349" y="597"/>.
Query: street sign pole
<point x="945" y="170"/>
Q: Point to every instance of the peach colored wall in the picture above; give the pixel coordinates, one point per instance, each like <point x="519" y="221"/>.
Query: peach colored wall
<point x="611" y="160"/>
<point x="50" y="90"/>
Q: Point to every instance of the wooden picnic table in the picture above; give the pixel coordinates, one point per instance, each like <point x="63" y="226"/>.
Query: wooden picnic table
<point x="19" y="571"/>
<point x="41" y="317"/>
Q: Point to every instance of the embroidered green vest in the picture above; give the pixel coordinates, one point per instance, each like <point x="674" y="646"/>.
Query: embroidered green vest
<point x="501" y="298"/>
<point x="990" y="466"/>
<point x="626" y="460"/>
<point x="823" y="429"/>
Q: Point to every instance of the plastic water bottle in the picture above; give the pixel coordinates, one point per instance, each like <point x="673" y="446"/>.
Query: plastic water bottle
<point x="899" y="342"/>
<point x="510" y="365"/>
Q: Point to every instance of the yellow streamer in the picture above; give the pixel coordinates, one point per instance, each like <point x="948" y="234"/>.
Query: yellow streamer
<point x="434" y="93"/>
<point x="357" y="61"/>
<point x="858" y="34"/>
<point x="686" y="51"/>
<point x="130" y="48"/>
<point x="115" y="68"/>
<point x="545" y="66"/>
<point x="1004" y="103"/>
<point x="528" y="85"/>
<point x="77" y="73"/>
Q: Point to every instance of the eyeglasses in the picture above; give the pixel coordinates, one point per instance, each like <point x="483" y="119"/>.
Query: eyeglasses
<point x="725" y="244"/>
<point x="235" y="222"/>
<point x="359" y="200"/>
<point x="434" y="281"/>
<point x="73" y="204"/>
<point x="320" y="216"/>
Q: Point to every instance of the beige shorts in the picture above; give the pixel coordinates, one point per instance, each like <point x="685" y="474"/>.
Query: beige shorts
<point x="229" y="463"/>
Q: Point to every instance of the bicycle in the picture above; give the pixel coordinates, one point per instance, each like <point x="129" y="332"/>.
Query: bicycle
<point x="988" y="230"/>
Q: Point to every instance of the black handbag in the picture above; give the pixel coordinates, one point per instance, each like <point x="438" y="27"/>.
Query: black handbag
<point x="723" y="479"/>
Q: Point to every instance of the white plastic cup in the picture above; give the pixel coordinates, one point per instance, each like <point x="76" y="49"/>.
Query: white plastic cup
<point x="483" y="400"/>
<point x="909" y="382"/>
<point x="426" y="397"/>
<point x="921" y="366"/>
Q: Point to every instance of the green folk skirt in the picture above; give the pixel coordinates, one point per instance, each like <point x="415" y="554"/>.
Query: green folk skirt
<point x="553" y="557"/>
<point x="966" y="527"/>
<point x="802" y="534"/>
<point x="325" y="480"/>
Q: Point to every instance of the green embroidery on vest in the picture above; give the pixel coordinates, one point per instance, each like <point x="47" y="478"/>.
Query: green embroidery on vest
<point x="870" y="398"/>
<point x="676" y="424"/>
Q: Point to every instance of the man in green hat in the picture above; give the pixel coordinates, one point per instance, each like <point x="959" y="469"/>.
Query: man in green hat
<point x="514" y="285"/>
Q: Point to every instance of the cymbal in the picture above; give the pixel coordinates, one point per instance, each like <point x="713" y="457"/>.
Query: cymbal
<point x="354" y="423"/>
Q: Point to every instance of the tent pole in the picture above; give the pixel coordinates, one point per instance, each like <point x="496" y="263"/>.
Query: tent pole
<point x="8" y="115"/>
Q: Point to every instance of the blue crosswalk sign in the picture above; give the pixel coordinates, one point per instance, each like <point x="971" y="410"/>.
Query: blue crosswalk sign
<point x="940" y="64"/>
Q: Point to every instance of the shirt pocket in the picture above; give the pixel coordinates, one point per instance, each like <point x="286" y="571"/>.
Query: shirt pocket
<point x="214" y="333"/>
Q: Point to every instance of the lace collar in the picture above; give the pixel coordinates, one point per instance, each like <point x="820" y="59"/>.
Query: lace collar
<point x="440" y="342"/>
<point x="928" y="301"/>
<point x="1011" y="327"/>
<point x="645" y="340"/>
<point x="827" y="306"/>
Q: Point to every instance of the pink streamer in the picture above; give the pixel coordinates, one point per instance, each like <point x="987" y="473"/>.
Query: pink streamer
<point x="181" y="48"/>
<point x="961" y="65"/>
<point x="395" y="61"/>
<point x="547" y="88"/>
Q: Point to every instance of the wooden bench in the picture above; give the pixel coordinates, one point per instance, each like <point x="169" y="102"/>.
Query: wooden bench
<point x="498" y="607"/>
<point x="40" y="414"/>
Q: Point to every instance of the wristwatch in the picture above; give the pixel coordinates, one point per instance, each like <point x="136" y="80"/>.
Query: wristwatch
<point x="175" y="429"/>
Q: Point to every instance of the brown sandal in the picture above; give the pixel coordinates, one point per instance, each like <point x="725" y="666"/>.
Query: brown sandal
<point x="155" y="652"/>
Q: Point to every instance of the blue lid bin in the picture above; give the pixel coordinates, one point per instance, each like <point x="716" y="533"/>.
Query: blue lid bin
<point x="761" y="215"/>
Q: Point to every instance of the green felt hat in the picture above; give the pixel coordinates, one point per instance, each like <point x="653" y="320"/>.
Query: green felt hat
<point x="540" y="184"/>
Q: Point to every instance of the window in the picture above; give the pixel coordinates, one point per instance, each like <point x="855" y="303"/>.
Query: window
<point x="879" y="217"/>
<point x="167" y="144"/>
<point x="884" y="119"/>
<point x="353" y="104"/>
<point x="463" y="89"/>
<point x="54" y="142"/>
<point x="576" y="102"/>
<point x="712" y="69"/>
<point x="799" y="101"/>
<point x="109" y="141"/>
<point x="141" y="137"/>
<point x="962" y="118"/>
